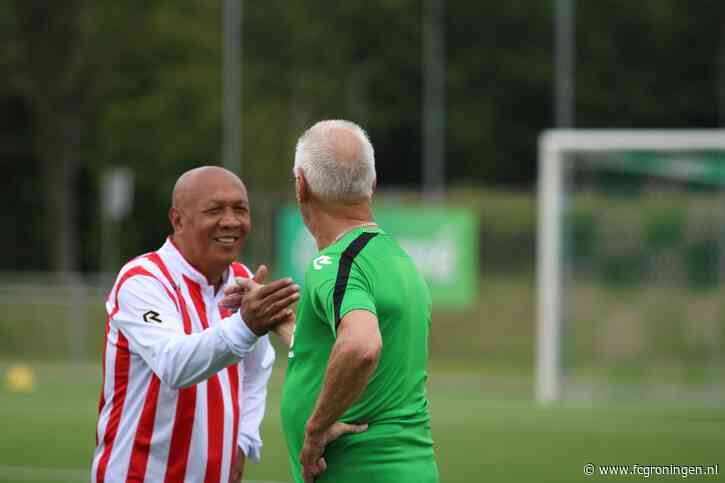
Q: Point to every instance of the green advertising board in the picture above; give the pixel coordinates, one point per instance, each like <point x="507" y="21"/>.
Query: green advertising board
<point x="443" y="242"/>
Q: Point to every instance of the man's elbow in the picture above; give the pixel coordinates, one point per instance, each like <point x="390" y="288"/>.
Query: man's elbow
<point x="175" y="381"/>
<point x="360" y="339"/>
<point x="372" y="355"/>
<point x="367" y="353"/>
<point x="172" y="374"/>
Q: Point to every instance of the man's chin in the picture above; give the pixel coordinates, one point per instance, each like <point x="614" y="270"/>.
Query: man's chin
<point x="228" y="252"/>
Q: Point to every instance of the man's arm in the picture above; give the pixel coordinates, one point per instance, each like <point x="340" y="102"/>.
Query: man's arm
<point x="257" y="370"/>
<point x="235" y="293"/>
<point x="151" y="323"/>
<point x="148" y="318"/>
<point x="286" y="330"/>
<point x="238" y="467"/>
<point x="353" y="360"/>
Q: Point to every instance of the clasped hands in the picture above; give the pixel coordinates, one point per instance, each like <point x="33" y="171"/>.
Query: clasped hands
<point x="263" y="306"/>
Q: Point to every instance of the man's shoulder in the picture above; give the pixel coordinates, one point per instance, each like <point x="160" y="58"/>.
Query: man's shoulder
<point x="241" y="270"/>
<point x="322" y="268"/>
<point x="145" y="271"/>
<point x="330" y="261"/>
<point x="135" y="264"/>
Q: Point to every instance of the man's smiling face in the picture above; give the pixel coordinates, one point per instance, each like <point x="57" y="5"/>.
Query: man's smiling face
<point x="211" y="220"/>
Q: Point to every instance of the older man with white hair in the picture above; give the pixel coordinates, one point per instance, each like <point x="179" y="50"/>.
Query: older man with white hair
<point x="357" y="362"/>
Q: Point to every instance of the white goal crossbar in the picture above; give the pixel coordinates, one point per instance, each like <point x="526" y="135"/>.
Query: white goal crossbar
<point x="553" y="145"/>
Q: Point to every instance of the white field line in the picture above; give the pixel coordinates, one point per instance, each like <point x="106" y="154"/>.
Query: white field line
<point x="29" y="473"/>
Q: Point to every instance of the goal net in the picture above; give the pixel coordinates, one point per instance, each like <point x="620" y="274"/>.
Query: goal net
<point x="631" y="266"/>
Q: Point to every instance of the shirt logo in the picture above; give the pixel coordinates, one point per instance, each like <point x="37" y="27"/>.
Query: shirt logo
<point x="318" y="262"/>
<point x="152" y="316"/>
<point x="291" y="352"/>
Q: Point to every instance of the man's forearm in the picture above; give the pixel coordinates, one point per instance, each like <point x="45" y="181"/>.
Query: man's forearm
<point x="348" y="372"/>
<point x="286" y="331"/>
<point x="181" y="360"/>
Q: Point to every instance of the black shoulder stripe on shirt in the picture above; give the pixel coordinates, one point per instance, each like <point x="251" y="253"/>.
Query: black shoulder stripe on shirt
<point x="343" y="271"/>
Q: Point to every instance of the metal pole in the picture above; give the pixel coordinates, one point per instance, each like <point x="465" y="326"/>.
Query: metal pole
<point x="564" y="48"/>
<point x="552" y="280"/>
<point x="434" y="100"/>
<point x="232" y="71"/>
<point x="721" y="79"/>
<point x="548" y="353"/>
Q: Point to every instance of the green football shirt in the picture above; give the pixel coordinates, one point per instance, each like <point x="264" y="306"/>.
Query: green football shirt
<point x="366" y="269"/>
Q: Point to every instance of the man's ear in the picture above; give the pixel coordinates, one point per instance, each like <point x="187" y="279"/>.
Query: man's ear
<point x="375" y="184"/>
<point x="175" y="219"/>
<point x="301" y="188"/>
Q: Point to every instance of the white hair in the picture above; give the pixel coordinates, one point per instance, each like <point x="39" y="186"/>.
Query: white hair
<point x="337" y="159"/>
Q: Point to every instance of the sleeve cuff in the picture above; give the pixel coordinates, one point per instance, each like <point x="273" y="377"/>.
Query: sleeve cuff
<point x="237" y="335"/>
<point x="252" y="448"/>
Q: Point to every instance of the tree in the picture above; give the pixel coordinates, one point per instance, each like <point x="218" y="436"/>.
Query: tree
<point x="60" y="57"/>
<point x="102" y="82"/>
<point x="96" y="84"/>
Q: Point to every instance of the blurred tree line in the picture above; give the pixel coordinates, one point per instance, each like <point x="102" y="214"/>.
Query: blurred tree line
<point x="89" y="85"/>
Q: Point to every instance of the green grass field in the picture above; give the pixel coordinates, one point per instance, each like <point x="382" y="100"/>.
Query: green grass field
<point x="485" y="426"/>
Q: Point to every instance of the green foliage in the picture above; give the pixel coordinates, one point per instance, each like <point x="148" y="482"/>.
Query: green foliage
<point x="138" y="84"/>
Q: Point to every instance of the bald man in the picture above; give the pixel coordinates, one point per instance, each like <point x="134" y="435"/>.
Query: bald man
<point x="184" y="379"/>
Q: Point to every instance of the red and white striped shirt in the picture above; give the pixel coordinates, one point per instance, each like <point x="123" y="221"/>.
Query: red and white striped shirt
<point x="184" y="382"/>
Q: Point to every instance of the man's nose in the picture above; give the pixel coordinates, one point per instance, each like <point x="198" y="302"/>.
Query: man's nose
<point x="230" y="219"/>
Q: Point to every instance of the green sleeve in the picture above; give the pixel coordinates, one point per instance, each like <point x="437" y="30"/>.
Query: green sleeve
<point x="354" y="293"/>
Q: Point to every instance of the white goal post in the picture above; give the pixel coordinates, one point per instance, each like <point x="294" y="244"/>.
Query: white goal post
<point x="553" y="146"/>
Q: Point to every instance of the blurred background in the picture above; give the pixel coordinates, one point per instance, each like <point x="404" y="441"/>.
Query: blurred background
<point x="104" y="104"/>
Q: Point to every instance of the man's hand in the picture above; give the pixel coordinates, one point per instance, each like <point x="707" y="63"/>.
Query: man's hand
<point x="234" y="293"/>
<point x="313" y="449"/>
<point x="263" y="307"/>
<point x="286" y="330"/>
<point x="238" y="467"/>
<point x="232" y="301"/>
<point x="232" y="297"/>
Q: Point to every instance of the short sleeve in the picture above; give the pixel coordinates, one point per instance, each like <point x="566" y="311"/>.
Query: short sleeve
<point x="334" y="298"/>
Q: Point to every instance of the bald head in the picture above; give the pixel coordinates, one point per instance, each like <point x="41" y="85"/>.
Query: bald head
<point x="198" y="180"/>
<point x="211" y="219"/>
<point x="337" y="160"/>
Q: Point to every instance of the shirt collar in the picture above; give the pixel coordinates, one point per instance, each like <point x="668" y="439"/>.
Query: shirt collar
<point x="181" y="266"/>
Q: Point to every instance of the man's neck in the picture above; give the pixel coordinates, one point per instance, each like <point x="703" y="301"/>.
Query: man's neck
<point x="214" y="275"/>
<point x="216" y="280"/>
<point x="328" y="225"/>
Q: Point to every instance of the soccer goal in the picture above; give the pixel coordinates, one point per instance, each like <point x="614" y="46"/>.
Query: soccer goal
<point x="631" y="266"/>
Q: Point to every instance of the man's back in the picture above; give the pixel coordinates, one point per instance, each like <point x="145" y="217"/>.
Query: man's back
<point x="366" y="270"/>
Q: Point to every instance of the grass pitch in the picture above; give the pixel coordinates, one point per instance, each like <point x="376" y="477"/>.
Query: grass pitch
<point x="485" y="426"/>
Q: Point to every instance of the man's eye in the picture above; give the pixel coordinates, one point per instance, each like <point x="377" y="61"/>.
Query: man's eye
<point x="240" y="209"/>
<point x="214" y="211"/>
